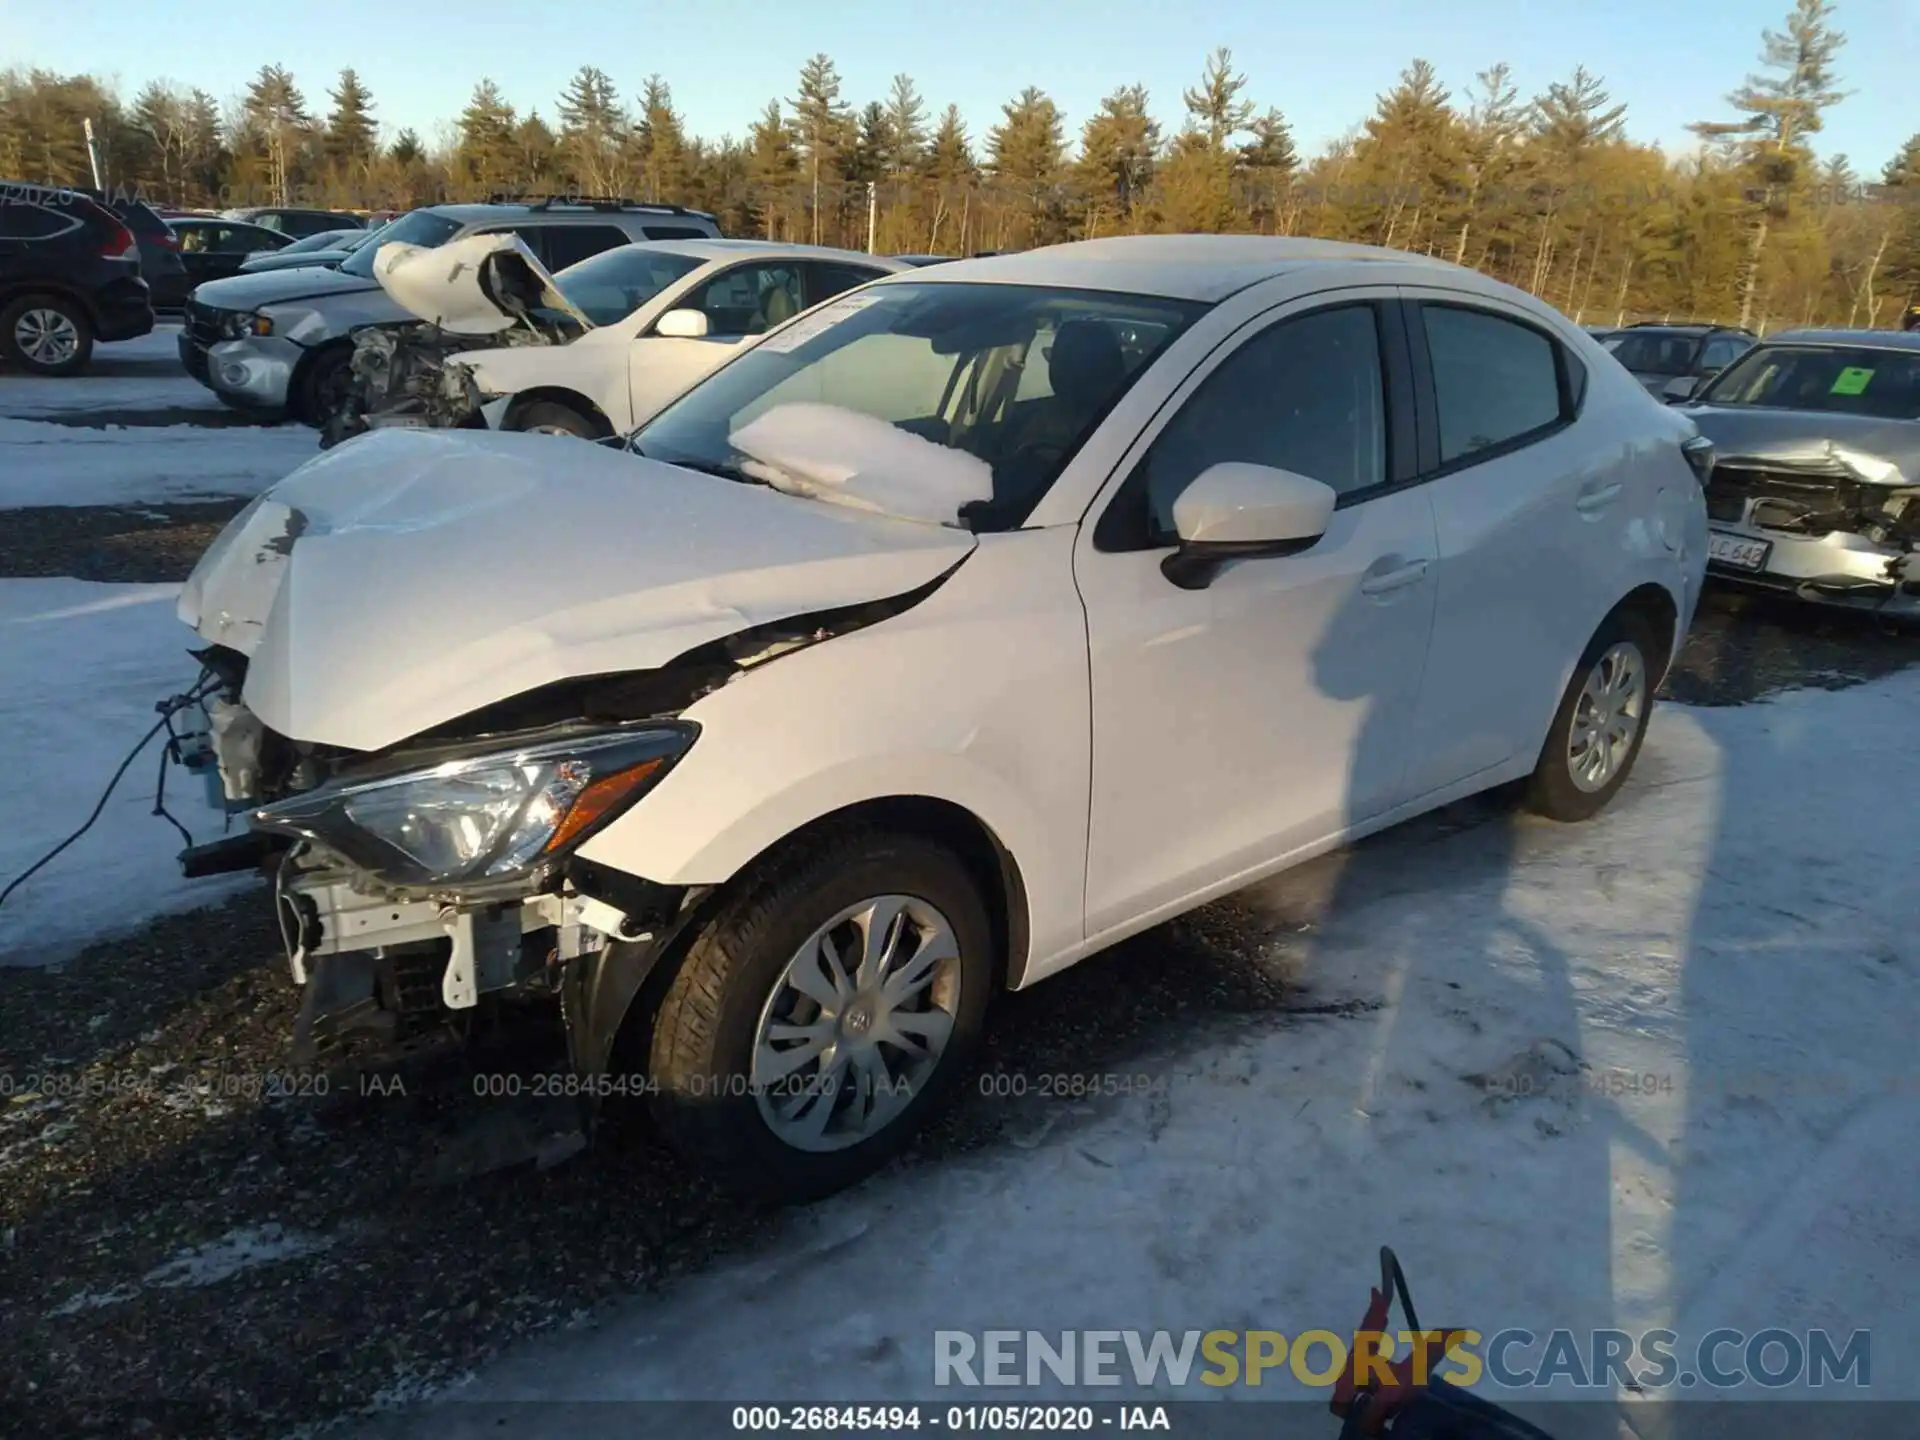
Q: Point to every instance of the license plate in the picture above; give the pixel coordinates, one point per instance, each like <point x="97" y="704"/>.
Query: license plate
<point x="1737" y="551"/>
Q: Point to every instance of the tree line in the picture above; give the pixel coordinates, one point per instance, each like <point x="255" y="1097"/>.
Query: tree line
<point x="1548" y="192"/>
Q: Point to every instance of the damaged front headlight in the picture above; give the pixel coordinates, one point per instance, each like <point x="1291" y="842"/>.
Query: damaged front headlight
<point x="240" y="325"/>
<point x="482" y="818"/>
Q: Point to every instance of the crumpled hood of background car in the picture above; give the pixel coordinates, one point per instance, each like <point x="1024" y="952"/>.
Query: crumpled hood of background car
<point x="477" y="286"/>
<point x="1860" y="447"/>
<point x="410" y="577"/>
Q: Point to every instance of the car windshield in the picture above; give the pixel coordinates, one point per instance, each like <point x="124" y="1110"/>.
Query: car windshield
<point x="416" y="227"/>
<point x="1654" y="352"/>
<point x="1010" y="379"/>
<point x="1847" y="379"/>
<point x="610" y="286"/>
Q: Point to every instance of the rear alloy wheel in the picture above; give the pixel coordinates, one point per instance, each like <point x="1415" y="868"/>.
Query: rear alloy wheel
<point x="1598" y="730"/>
<point x="46" y="335"/>
<point x="549" y="417"/>
<point x="823" y="1015"/>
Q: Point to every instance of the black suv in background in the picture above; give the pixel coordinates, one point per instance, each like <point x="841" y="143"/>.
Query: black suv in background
<point x="160" y="263"/>
<point x="1661" y="356"/>
<point x="69" y="275"/>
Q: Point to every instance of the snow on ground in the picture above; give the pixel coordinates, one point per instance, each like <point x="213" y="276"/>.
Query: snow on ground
<point x="1739" y="927"/>
<point x="43" y="463"/>
<point x="243" y="1249"/>
<point x="81" y="668"/>
<point x="142" y="374"/>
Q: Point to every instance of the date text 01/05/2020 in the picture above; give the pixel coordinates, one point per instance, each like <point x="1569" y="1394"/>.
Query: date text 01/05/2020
<point x="961" y="1419"/>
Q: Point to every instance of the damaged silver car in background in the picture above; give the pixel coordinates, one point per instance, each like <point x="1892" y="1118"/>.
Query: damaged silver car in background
<point x="487" y="291"/>
<point x="1816" y="488"/>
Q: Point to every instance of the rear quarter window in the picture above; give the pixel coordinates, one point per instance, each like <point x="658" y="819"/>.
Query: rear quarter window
<point x="1498" y="382"/>
<point x="32" y="222"/>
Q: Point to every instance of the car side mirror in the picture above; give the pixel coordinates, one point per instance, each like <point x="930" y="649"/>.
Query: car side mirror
<point x="683" y="324"/>
<point x="1681" y="387"/>
<point x="1235" y="510"/>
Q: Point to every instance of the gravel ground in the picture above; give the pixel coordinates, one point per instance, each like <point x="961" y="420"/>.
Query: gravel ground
<point x="143" y="544"/>
<point x="146" y="1142"/>
<point x="150" y="1137"/>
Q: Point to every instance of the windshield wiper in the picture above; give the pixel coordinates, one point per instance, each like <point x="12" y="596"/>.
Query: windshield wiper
<point x="710" y="467"/>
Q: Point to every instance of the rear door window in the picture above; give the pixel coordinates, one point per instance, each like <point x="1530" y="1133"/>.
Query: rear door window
<point x="570" y="244"/>
<point x="1496" y="381"/>
<point x="825" y="281"/>
<point x="677" y="232"/>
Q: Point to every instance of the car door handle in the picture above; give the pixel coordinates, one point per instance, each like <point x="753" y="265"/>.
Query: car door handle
<point x="1597" y="497"/>
<point x="1394" y="579"/>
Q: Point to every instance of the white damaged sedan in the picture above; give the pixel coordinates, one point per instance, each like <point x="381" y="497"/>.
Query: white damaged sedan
<point x="965" y="625"/>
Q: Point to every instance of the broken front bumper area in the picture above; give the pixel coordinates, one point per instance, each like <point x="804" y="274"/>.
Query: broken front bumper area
<point x="400" y="376"/>
<point x="383" y="973"/>
<point x="1825" y="539"/>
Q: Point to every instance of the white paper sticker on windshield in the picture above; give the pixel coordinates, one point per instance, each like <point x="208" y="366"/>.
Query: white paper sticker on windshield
<point x="805" y="328"/>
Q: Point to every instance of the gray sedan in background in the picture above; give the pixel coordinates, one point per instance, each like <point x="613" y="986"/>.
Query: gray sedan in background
<point x="328" y="247"/>
<point x="1815" y="486"/>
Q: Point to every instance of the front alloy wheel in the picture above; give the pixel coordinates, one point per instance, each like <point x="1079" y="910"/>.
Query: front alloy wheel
<point x="823" y="1013"/>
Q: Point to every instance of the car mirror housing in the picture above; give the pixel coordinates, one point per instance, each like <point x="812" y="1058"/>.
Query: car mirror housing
<point x="1235" y="510"/>
<point x="1681" y="387"/>
<point x="683" y="325"/>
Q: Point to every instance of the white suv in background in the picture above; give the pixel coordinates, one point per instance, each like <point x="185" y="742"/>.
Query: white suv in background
<point x="279" y="343"/>
<point x="952" y="632"/>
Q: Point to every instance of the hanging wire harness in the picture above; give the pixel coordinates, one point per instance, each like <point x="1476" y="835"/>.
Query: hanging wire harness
<point x="202" y="687"/>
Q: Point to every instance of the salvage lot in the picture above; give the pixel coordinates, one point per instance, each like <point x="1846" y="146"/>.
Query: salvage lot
<point x="1314" y="1055"/>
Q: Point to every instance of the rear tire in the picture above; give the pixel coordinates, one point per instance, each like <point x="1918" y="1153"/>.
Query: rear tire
<point x="550" y="417"/>
<point x="1600" y="724"/>
<point x="46" y="335"/>
<point x="715" y="1066"/>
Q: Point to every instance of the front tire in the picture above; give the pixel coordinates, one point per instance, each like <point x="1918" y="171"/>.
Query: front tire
<point x="326" y="385"/>
<point x="46" y="335"/>
<point x="1601" y="723"/>
<point x="823" y="1015"/>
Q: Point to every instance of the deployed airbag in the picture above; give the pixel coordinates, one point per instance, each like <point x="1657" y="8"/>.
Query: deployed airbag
<point x="824" y="452"/>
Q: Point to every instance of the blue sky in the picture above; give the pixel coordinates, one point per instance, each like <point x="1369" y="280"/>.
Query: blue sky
<point x="1323" y="64"/>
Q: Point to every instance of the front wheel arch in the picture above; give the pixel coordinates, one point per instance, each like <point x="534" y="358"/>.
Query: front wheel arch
<point x="557" y="395"/>
<point x="301" y="401"/>
<point x="992" y="866"/>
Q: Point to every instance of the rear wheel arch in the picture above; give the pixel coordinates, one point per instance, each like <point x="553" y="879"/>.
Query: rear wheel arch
<point x="52" y="289"/>
<point x="1657" y="609"/>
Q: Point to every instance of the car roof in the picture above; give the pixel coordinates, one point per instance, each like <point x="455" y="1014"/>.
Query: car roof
<point x="1682" y="327"/>
<point x="722" y="249"/>
<point x="472" y="211"/>
<point x="1176" y="267"/>
<point x="241" y="212"/>
<point x="1866" y="339"/>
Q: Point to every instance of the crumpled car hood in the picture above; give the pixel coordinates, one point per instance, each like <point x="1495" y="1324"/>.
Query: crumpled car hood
<point x="1858" y="447"/>
<point x="477" y="286"/>
<point x="410" y="577"/>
